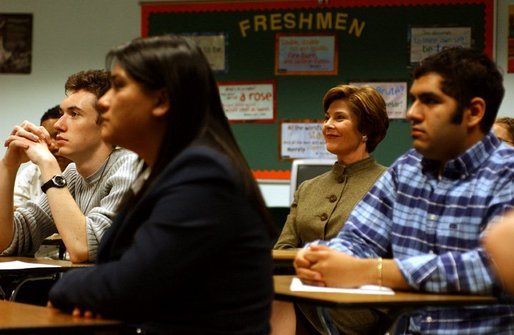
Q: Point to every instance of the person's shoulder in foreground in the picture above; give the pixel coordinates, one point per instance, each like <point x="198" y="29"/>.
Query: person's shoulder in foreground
<point x="199" y="198"/>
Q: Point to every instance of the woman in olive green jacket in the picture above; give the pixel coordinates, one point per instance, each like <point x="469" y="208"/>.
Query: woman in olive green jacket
<point x="355" y="123"/>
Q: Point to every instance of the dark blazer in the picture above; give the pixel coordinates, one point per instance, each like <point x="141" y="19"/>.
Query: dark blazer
<point x="191" y="257"/>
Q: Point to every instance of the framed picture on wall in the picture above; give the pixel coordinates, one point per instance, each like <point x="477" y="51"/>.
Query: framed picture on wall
<point x="15" y="43"/>
<point x="305" y="54"/>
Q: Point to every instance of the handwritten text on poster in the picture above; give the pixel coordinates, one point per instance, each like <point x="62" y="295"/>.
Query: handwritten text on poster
<point x="305" y="55"/>
<point x="395" y="96"/>
<point x="428" y="41"/>
<point x="248" y="101"/>
<point x="302" y="140"/>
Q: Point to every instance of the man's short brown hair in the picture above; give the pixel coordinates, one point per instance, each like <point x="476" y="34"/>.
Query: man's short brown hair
<point x="93" y="81"/>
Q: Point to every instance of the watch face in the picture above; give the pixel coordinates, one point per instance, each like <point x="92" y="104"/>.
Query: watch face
<point x="59" y="181"/>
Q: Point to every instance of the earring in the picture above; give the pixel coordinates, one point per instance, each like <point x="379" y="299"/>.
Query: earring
<point x="364" y="138"/>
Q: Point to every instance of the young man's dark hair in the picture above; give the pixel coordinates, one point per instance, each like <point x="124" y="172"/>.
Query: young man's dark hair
<point x="467" y="73"/>
<point x="52" y="113"/>
<point x="92" y="81"/>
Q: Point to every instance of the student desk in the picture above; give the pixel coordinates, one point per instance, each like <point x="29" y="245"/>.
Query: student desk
<point x="56" y="240"/>
<point x="12" y="279"/>
<point x="283" y="261"/>
<point x="16" y="318"/>
<point x="400" y="302"/>
<point x="401" y="299"/>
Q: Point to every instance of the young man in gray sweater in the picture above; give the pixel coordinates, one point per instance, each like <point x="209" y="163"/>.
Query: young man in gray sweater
<point x="80" y="202"/>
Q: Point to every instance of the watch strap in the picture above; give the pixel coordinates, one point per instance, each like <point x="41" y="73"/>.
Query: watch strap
<point x="55" y="181"/>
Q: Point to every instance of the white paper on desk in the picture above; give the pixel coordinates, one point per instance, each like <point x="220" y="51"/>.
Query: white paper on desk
<point x="297" y="285"/>
<point x="18" y="265"/>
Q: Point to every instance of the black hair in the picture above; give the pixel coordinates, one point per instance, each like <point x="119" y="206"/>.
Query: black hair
<point x="52" y="113"/>
<point x="467" y="73"/>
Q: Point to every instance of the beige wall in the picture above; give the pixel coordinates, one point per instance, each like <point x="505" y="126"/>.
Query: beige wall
<point x="68" y="36"/>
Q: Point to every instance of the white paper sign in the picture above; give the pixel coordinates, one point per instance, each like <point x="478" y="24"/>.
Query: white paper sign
<point x="428" y="41"/>
<point x="306" y="55"/>
<point x="213" y="47"/>
<point x="303" y="140"/>
<point x="298" y="286"/>
<point x="395" y="96"/>
<point x="19" y="265"/>
<point x="248" y="102"/>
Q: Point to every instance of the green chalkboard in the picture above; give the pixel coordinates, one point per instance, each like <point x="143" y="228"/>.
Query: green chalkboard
<point x="379" y="52"/>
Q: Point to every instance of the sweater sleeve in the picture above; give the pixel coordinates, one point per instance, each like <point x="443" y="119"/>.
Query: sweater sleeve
<point x="34" y="222"/>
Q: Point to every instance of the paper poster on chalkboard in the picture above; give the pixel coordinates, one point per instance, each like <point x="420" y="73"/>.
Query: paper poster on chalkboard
<point x="305" y="54"/>
<point x="248" y="101"/>
<point x="426" y="41"/>
<point x="394" y="94"/>
<point x="214" y="48"/>
<point x="302" y="139"/>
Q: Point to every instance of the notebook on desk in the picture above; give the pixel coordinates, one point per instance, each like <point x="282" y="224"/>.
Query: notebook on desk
<point x="19" y="265"/>
<point x="297" y="285"/>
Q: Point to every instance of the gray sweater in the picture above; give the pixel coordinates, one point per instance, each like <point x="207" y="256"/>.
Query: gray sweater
<point x="33" y="222"/>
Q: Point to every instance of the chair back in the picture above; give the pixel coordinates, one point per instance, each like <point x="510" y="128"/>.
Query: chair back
<point x="304" y="169"/>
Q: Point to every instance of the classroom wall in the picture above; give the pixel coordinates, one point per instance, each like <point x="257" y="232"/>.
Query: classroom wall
<point x="68" y="36"/>
<point x="72" y="35"/>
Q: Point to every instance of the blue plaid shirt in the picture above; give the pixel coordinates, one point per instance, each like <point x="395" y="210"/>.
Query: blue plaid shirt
<point x="431" y="222"/>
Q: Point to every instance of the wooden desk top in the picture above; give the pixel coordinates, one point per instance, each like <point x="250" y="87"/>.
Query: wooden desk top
<point x="285" y="254"/>
<point x="399" y="299"/>
<point x="283" y="261"/>
<point x="16" y="316"/>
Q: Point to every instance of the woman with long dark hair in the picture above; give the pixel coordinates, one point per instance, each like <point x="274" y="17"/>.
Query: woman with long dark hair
<point x="190" y="251"/>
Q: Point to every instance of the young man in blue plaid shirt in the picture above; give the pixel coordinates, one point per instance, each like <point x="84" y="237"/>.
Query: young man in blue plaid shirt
<point x="419" y="227"/>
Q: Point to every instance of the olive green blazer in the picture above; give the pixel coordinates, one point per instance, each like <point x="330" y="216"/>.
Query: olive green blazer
<point x="321" y="205"/>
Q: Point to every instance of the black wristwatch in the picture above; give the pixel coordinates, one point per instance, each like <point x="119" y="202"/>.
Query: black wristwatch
<point x="55" y="181"/>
